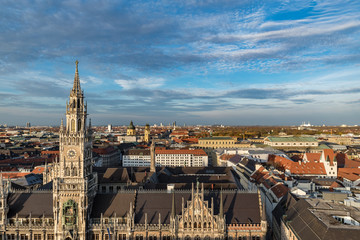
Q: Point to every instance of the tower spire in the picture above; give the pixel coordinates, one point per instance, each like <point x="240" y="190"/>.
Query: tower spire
<point x="173" y="210"/>
<point x="221" y="204"/>
<point x="76" y="87"/>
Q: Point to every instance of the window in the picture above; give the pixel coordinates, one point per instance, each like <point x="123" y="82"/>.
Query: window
<point x="122" y="236"/>
<point x="10" y="236"/>
<point x="111" y="189"/>
<point x="24" y="237"/>
<point x="37" y="236"/>
<point x="73" y="125"/>
<point x="50" y="237"/>
<point x="95" y="237"/>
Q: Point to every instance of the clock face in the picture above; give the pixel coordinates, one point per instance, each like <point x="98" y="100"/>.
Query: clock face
<point x="71" y="153"/>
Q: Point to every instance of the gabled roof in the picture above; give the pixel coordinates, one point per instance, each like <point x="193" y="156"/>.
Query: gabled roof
<point x="351" y="174"/>
<point x="298" y="168"/>
<point x="111" y="204"/>
<point x="238" y="207"/>
<point x="312" y="157"/>
<point x="279" y="190"/>
<point x="329" y="155"/>
<point x="35" y="203"/>
<point x="114" y="175"/>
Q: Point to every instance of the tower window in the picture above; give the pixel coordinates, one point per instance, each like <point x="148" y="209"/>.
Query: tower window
<point x="73" y="125"/>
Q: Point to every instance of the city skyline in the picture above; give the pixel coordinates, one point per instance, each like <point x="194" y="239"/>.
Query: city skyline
<point x="199" y="62"/>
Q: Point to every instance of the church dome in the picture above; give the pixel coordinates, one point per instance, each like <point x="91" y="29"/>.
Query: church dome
<point x="131" y="125"/>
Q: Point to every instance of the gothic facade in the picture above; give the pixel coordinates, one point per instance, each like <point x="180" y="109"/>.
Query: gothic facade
<point x="71" y="207"/>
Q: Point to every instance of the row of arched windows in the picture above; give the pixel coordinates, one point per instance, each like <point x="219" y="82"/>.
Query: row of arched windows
<point x="71" y="172"/>
<point x="73" y="127"/>
<point x="197" y="225"/>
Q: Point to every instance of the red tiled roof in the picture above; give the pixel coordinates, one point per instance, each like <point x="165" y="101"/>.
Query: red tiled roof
<point x="197" y="152"/>
<point x="335" y="184"/>
<point x="279" y="190"/>
<point x="258" y="174"/>
<point x="104" y="151"/>
<point x="329" y="155"/>
<point x="226" y="156"/>
<point x="298" y="168"/>
<point x="313" y="157"/>
<point x="191" y="140"/>
<point x="50" y="152"/>
<point x="308" y="168"/>
<point x="14" y="174"/>
<point x="39" y="170"/>
<point x="351" y="174"/>
<point x="262" y="176"/>
<point x="179" y="133"/>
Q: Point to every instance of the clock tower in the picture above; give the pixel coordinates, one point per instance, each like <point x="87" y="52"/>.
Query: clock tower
<point x="74" y="186"/>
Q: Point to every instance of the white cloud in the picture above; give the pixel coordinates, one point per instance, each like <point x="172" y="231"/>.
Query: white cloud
<point x="140" y="83"/>
<point x="92" y="80"/>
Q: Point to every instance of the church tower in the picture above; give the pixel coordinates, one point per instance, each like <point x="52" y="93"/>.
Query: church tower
<point x="131" y="131"/>
<point x="147" y="133"/>
<point x="74" y="186"/>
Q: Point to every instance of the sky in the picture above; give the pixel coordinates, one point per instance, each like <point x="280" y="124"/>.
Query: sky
<point x="231" y="62"/>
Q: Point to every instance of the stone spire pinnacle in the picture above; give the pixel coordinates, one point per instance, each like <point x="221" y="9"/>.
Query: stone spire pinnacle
<point x="173" y="210"/>
<point x="221" y="211"/>
<point x="152" y="157"/>
<point x="76" y="87"/>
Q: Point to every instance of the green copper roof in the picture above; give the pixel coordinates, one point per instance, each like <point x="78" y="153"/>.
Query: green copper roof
<point x="131" y="125"/>
<point x="291" y="139"/>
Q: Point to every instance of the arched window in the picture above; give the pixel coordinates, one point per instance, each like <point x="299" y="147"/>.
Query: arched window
<point x="195" y="225"/>
<point x="185" y="225"/>
<point x="73" y="125"/>
<point x="187" y="237"/>
<point x="74" y="172"/>
<point x="204" y="224"/>
<point x="67" y="171"/>
<point x="78" y="103"/>
<point x="79" y="124"/>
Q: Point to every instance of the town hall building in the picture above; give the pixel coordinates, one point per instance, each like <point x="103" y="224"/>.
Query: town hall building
<point x="71" y="207"/>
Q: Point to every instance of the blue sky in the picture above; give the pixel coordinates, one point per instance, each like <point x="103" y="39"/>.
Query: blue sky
<point x="195" y="62"/>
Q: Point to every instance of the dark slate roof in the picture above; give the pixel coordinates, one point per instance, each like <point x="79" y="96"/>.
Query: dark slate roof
<point x="36" y="203"/>
<point x="285" y="203"/>
<point x="155" y="203"/>
<point x="239" y="207"/>
<point x="313" y="219"/>
<point x="17" y="186"/>
<point x="250" y="164"/>
<point x="235" y="159"/>
<point x="109" y="204"/>
<point x="114" y="175"/>
<point x="47" y="186"/>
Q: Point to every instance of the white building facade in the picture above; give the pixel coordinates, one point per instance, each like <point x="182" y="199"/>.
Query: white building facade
<point x="181" y="158"/>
